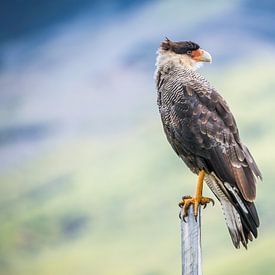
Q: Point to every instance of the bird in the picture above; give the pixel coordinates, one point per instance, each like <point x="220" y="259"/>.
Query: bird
<point x="203" y="132"/>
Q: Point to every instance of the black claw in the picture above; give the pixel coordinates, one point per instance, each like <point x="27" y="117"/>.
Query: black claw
<point x="183" y="218"/>
<point x="204" y="206"/>
<point x="213" y="202"/>
<point x="196" y="217"/>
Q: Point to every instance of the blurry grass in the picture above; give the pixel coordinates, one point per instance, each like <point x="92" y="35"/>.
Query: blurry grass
<point x="257" y="260"/>
<point x="110" y="206"/>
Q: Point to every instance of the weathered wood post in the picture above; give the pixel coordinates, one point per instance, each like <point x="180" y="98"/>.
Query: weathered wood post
<point x="191" y="258"/>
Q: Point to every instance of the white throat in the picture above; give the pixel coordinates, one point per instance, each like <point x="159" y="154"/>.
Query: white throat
<point x="165" y="58"/>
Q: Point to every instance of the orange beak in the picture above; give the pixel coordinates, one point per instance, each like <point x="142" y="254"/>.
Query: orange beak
<point x="201" y="56"/>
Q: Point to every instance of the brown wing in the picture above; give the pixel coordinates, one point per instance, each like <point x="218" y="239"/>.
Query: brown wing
<point x="213" y="137"/>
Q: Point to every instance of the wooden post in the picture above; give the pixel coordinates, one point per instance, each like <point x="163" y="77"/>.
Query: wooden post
<point x="191" y="258"/>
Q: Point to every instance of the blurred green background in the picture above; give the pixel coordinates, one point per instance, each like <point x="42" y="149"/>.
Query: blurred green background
<point x="89" y="184"/>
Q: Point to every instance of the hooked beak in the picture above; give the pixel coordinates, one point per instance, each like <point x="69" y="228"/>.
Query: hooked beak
<point x="201" y="56"/>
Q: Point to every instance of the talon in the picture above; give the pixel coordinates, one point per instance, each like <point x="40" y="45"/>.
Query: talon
<point x="183" y="218"/>
<point x="184" y="199"/>
<point x="196" y="201"/>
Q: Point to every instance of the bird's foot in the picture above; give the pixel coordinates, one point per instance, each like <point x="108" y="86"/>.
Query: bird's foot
<point x="196" y="201"/>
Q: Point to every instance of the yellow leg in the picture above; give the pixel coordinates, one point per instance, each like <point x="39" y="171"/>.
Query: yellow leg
<point x="197" y="200"/>
<point x="200" y="184"/>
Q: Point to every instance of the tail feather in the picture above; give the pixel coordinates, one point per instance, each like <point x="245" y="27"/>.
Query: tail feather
<point x="246" y="210"/>
<point x="240" y="215"/>
<point x="234" y="224"/>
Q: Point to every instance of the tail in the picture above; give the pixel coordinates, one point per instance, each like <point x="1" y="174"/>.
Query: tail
<point x="240" y="215"/>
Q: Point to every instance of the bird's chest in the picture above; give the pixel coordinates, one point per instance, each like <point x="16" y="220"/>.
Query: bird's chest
<point x="175" y="107"/>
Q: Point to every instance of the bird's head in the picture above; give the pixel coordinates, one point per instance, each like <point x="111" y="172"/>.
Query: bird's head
<point x="187" y="53"/>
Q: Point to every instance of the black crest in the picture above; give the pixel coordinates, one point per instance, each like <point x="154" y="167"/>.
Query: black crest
<point x="181" y="47"/>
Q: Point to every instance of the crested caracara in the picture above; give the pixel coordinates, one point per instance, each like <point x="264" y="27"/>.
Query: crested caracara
<point x="202" y="131"/>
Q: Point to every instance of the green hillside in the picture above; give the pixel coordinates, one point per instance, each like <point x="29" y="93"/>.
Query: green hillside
<point x="109" y="205"/>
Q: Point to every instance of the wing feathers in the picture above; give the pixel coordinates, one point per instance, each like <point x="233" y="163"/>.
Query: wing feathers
<point x="227" y="156"/>
<point x="251" y="162"/>
<point x="246" y="182"/>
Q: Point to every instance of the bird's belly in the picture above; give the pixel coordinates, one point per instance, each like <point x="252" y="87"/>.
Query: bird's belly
<point x="191" y="163"/>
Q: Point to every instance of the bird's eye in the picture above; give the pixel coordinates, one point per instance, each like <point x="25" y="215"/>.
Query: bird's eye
<point x="189" y="52"/>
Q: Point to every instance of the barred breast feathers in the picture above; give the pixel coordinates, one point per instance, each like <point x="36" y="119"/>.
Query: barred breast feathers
<point x="171" y="68"/>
